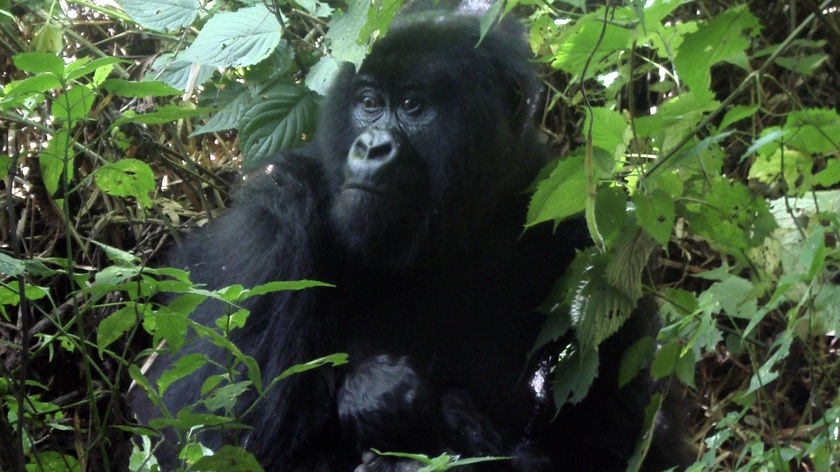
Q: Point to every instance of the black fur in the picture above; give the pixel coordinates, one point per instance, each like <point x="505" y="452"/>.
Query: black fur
<point x="412" y="204"/>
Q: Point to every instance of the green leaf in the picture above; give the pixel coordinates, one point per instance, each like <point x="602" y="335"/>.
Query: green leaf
<point x="146" y="88"/>
<point x="333" y="360"/>
<point x="49" y="38"/>
<point x="343" y="33"/>
<point x="165" y="114"/>
<point x="561" y="195"/>
<point x="230" y="459"/>
<point x="634" y="359"/>
<point x="610" y="131"/>
<point x="73" y="105"/>
<point x="719" y="40"/>
<point x="282" y="118"/>
<point x="115" y="326"/>
<point x="655" y="213"/>
<point x="162" y="15"/>
<point x="737" y="113"/>
<point x="574" y="374"/>
<point x="236" y="39"/>
<point x="127" y="178"/>
<point x="583" y="42"/>
<point x="39" y="62"/>
<point x="179" y="72"/>
<point x="279" y="286"/>
<point x="52" y="160"/>
<point x="805" y="64"/>
<point x="611" y="213"/>
<point x="234" y="102"/>
<point x="225" y="397"/>
<point x="84" y="66"/>
<point x="815" y="130"/>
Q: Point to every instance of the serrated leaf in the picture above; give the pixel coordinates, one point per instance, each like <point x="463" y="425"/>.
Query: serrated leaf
<point x="146" y="88"/>
<point x="281" y="118"/>
<point x="236" y="39"/>
<point x="561" y="195"/>
<point x="162" y="15"/>
<point x="127" y="178"/>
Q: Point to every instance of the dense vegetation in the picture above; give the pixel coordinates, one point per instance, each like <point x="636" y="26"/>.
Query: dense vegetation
<point x="704" y="133"/>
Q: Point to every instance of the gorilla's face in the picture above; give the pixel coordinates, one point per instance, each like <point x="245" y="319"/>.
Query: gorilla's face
<point x="419" y="143"/>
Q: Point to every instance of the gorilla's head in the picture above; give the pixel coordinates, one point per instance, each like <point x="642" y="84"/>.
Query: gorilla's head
<point x="426" y="140"/>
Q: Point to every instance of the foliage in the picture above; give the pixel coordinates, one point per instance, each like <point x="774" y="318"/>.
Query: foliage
<point x="704" y="136"/>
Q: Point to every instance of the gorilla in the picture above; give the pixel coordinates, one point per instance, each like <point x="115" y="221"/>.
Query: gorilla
<point x="411" y="203"/>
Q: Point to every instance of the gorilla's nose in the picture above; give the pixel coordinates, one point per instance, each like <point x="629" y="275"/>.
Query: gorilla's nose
<point x="372" y="149"/>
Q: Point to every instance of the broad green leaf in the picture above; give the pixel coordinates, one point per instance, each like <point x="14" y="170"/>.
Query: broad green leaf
<point x="343" y="33"/>
<point x="573" y="375"/>
<point x="84" y="66"/>
<point x="127" y="178"/>
<point x="225" y="397"/>
<point x="379" y="17"/>
<point x="719" y="40"/>
<point x="233" y="101"/>
<point x="583" y="42"/>
<point x="17" y="92"/>
<point x="283" y="117"/>
<point x="162" y="15"/>
<point x="610" y="131"/>
<point x="814" y="130"/>
<point x="805" y="64"/>
<point x="655" y="213"/>
<point x="737" y="113"/>
<point x="611" y="213"/>
<point x="634" y="359"/>
<point x="115" y="326"/>
<point x="321" y="75"/>
<point x="230" y="459"/>
<point x="178" y="72"/>
<point x="52" y="160"/>
<point x="236" y="39"/>
<point x="73" y="105"/>
<point x="146" y="88"/>
<point x="39" y="62"/>
<point x="49" y="38"/>
<point x="560" y="195"/>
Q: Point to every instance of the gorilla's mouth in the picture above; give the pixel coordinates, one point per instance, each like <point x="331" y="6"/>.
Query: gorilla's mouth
<point x="364" y="188"/>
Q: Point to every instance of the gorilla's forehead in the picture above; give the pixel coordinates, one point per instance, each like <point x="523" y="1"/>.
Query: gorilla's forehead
<point x="442" y="49"/>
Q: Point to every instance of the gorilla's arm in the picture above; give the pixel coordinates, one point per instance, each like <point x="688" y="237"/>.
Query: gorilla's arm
<point x="270" y="233"/>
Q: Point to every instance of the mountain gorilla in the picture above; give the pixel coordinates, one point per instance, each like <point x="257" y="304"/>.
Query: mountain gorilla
<point x="411" y="203"/>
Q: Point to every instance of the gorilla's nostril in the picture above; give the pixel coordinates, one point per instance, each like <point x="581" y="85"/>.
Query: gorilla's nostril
<point x="373" y="147"/>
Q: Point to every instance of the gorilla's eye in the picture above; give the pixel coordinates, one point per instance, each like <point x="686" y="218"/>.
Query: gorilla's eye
<point x="410" y="105"/>
<point x="370" y="103"/>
